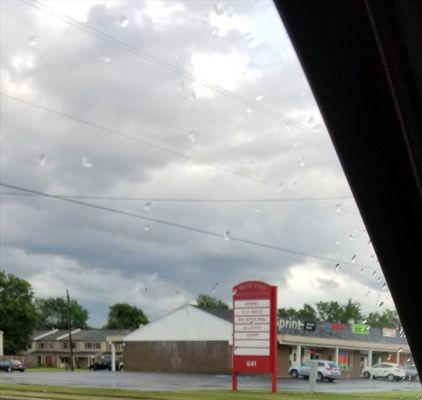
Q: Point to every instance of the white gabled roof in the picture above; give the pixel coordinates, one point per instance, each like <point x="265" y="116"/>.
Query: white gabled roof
<point x="67" y="334"/>
<point x="187" y="323"/>
<point x="44" y="334"/>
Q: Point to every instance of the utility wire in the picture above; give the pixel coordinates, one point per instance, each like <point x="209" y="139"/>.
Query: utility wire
<point x="159" y="147"/>
<point x="161" y="63"/>
<point x="185" y="227"/>
<point x="183" y="200"/>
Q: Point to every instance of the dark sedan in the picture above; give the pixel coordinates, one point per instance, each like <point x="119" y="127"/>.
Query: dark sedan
<point x="12" y="365"/>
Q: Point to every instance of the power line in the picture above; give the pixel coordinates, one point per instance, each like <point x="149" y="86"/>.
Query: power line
<point x="184" y="200"/>
<point x="161" y="63"/>
<point x="226" y="236"/>
<point x="156" y="146"/>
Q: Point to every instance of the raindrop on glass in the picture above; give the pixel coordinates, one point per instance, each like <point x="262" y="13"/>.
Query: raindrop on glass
<point x="338" y="207"/>
<point x="147" y="206"/>
<point x="362" y="270"/>
<point x="214" y="288"/>
<point x="380" y="304"/>
<point x="106" y="60"/>
<point x="124" y="21"/>
<point x="32" y="40"/>
<point x="215" y="32"/>
<point x="302" y="162"/>
<point x="192" y="136"/>
<point x="248" y="110"/>
<point x="295" y="142"/>
<point x="234" y="292"/>
<point x="257" y="210"/>
<point x="86" y="162"/>
<point x="353" y="259"/>
<point x="374" y="273"/>
<point x="378" y="279"/>
<point x="219" y="8"/>
<point x="249" y="37"/>
<point x="337" y="267"/>
<point x="147" y="228"/>
<point x="369" y="242"/>
<point x="351" y="236"/>
<point x="227" y="235"/>
<point x="368" y="292"/>
<point x="42" y="160"/>
<point x="287" y="127"/>
<point x="192" y="96"/>
<point x="259" y="98"/>
<point x="310" y="120"/>
<point x="389" y="357"/>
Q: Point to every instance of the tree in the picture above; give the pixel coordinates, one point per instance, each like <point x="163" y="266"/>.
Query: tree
<point x="53" y="313"/>
<point x="306" y="313"/>
<point x="17" y="312"/>
<point x="352" y="311"/>
<point x="388" y="319"/>
<point x="205" y="301"/>
<point x="333" y="311"/>
<point x="125" y="316"/>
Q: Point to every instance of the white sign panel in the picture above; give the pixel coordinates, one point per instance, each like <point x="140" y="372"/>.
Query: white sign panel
<point x="252" y="320"/>
<point x="242" y="351"/>
<point x="252" y="335"/>
<point x="251" y="311"/>
<point x="251" y="304"/>
<point x="252" y="327"/>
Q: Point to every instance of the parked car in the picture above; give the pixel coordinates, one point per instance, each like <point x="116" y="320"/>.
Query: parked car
<point x="326" y="370"/>
<point x="104" y="363"/>
<point x="12" y="365"/>
<point x="390" y="371"/>
<point x="411" y="373"/>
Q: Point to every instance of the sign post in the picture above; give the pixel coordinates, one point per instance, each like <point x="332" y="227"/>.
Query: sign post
<point x="255" y="349"/>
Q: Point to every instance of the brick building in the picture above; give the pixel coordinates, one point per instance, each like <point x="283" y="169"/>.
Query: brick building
<point x="193" y="339"/>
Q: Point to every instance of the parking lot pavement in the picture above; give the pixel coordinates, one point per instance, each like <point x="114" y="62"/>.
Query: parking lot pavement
<point x="161" y="381"/>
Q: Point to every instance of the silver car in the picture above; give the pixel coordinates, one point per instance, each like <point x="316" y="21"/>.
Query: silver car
<point x="326" y="370"/>
<point x="411" y="373"/>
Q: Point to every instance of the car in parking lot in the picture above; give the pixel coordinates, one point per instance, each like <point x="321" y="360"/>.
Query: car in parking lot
<point x="411" y="373"/>
<point x="390" y="371"/>
<point x="325" y="370"/>
<point x="12" y="365"/>
<point x="104" y="363"/>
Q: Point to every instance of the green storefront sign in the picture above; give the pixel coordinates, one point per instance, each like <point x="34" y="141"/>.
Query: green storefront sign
<point x="360" y="329"/>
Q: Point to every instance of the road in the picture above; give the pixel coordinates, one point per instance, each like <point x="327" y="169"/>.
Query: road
<point x="161" y="381"/>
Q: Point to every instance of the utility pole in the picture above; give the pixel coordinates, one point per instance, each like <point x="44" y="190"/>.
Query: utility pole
<point x="69" y="324"/>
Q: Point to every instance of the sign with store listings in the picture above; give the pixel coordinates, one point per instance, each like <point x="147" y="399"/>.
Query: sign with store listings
<point x="361" y="329"/>
<point x="388" y="332"/>
<point x="310" y="326"/>
<point x="255" y="330"/>
<point x="337" y="326"/>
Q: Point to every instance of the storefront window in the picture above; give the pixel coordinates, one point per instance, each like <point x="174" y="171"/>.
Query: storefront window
<point x="344" y="360"/>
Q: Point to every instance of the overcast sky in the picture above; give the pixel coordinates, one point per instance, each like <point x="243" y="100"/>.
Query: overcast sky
<point x="248" y="121"/>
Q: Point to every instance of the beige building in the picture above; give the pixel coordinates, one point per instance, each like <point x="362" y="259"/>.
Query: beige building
<point x="51" y="348"/>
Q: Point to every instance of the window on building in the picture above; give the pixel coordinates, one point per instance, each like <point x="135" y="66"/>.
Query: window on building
<point x="88" y="345"/>
<point x="65" y="345"/>
<point x="98" y="345"/>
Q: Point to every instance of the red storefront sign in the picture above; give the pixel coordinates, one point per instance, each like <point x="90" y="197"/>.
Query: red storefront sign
<point x="255" y="330"/>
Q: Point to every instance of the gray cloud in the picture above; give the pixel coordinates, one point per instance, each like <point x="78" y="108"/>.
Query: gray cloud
<point x="104" y="257"/>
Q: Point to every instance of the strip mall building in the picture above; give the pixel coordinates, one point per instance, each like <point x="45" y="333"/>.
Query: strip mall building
<point x="193" y="339"/>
